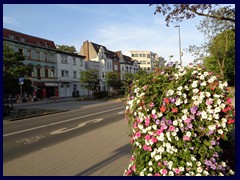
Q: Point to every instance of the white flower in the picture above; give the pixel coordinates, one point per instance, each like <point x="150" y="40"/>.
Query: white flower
<point x="150" y="163"/>
<point x="195" y="91"/>
<point x="171" y="173"/>
<point x="170" y="92"/>
<point x="231" y="172"/>
<point x="212" y="79"/>
<point x="175" y="122"/>
<point x="223" y="164"/>
<point x="198" y="163"/>
<point x="181" y="168"/>
<point x="204" y="115"/>
<point x="188" y="134"/>
<point x="217" y="110"/>
<point x="216" y="116"/>
<point x="179" y="93"/>
<point x="141" y="173"/>
<point x="212" y="127"/>
<point x="184" y="117"/>
<point x="208" y="94"/>
<point x="140" y="126"/>
<point x="205" y="74"/>
<point x="154" y="111"/>
<point x="198" y="174"/>
<point x="194" y="84"/>
<point x="205" y="173"/>
<point x="193" y="158"/>
<point x="174" y="133"/>
<point x="199" y="169"/>
<point x="176" y="138"/>
<point x="178" y="102"/>
<point x="160" y="114"/>
<point x="179" y="88"/>
<point x="220" y="131"/>
<point x="203" y="83"/>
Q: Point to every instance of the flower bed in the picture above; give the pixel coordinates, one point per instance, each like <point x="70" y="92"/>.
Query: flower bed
<point x="177" y="118"/>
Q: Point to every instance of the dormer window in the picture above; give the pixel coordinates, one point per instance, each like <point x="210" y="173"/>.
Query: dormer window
<point x="11" y="36"/>
<point x="22" y="39"/>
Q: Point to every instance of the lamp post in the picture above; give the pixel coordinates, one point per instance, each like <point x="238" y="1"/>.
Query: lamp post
<point x="180" y="53"/>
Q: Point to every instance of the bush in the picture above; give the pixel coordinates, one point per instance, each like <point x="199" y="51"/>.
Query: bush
<point x="177" y="118"/>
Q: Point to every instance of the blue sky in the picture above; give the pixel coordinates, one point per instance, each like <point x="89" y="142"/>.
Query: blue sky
<point x="116" y="26"/>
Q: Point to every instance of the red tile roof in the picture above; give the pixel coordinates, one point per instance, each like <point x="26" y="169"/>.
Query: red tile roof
<point x="24" y="38"/>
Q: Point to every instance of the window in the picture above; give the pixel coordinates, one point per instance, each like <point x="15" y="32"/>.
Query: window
<point x="81" y="62"/>
<point x="74" y="74"/>
<point x="46" y="73"/>
<point x="64" y="73"/>
<point x="11" y="36"/>
<point x="115" y="67"/>
<point x="39" y="73"/>
<point x="52" y="73"/>
<point x="142" y="55"/>
<point x="74" y="61"/>
<point x="103" y="74"/>
<point x="45" y="56"/>
<point x="29" y="54"/>
<point x="134" y="55"/>
<point x="148" y="55"/>
<point x="20" y="51"/>
<point x="64" y="59"/>
<point x="38" y="55"/>
<point x="22" y="39"/>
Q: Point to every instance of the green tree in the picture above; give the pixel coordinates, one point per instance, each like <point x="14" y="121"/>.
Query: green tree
<point x="112" y="79"/>
<point x="89" y="79"/>
<point x="179" y="12"/>
<point x="222" y="55"/>
<point x="13" y="68"/>
<point x="67" y="49"/>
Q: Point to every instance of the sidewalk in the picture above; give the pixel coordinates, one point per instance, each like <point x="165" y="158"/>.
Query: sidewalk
<point x="101" y="152"/>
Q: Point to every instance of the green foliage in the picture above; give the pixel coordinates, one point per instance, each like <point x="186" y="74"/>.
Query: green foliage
<point x="89" y="79"/>
<point x="67" y="49"/>
<point x="112" y="79"/>
<point x="14" y="68"/>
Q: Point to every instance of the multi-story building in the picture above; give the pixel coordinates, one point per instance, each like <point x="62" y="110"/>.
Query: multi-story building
<point x="69" y="67"/>
<point x="107" y="60"/>
<point x="148" y="60"/>
<point x="41" y="54"/>
<point x="127" y="65"/>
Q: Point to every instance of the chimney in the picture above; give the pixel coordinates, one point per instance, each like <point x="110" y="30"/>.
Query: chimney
<point x="86" y="50"/>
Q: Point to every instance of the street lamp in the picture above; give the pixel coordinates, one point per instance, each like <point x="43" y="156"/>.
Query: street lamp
<point x="180" y="54"/>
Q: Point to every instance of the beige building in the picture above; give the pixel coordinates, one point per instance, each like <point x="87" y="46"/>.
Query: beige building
<point x="147" y="59"/>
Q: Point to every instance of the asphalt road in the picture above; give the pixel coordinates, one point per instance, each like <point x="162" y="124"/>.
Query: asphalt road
<point x="28" y="135"/>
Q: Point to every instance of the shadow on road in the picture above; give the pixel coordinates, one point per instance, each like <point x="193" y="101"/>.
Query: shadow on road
<point x="118" y="153"/>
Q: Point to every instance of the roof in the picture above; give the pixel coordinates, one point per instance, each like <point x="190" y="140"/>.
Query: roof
<point x="24" y="38"/>
<point x="109" y="54"/>
<point x="71" y="54"/>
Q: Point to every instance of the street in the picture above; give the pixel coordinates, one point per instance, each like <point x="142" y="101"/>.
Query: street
<point x="90" y="140"/>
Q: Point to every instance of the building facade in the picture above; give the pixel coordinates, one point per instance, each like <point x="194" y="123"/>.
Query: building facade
<point x="41" y="55"/>
<point x="69" y="67"/>
<point x="148" y="60"/>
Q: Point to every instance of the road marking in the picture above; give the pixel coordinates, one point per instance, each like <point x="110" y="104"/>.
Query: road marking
<point x="63" y="130"/>
<point x="30" y="129"/>
<point x="30" y="140"/>
<point x="121" y="112"/>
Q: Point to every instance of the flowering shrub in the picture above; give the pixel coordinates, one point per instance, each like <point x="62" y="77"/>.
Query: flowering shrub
<point x="177" y="118"/>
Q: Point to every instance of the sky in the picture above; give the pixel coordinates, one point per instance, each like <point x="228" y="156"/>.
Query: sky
<point x="118" y="27"/>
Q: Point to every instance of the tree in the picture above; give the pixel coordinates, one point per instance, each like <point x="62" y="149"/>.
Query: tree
<point x="13" y="68"/>
<point x="179" y="12"/>
<point x="89" y="79"/>
<point x="67" y="49"/>
<point x="222" y="55"/>
<point x="112" y="80"/>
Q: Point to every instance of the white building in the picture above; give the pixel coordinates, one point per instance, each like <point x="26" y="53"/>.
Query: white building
<point x="148" y="60"/>
<point x="69" y="67"/>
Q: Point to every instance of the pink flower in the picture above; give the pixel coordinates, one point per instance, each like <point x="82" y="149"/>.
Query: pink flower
<point x="134" y="167"/>
<point x="145" y="147"/>
<point x="147" y="121"/>
<point x="154" y="116"/>
<point x="188" y="120"/>
<point x="209" y="102"/>
<point x="176" y="170"/>
<point x="153" y="139"/>
<point x="159" y="131"/>
<point x="164" y="171"/>
<point x="186" y="138"/>
<point x="145" y="87"/>
<point x="135" y="125"/>
<point x="171" y="128"/>
<point x="151" y="104"/>
<point x="229" y="100"/>
<point x="149" y="148"/>
<point x="129" y="172"/>
<point x="147" y="137"/>
<point x="138" y="134"/>
<point x="157" y="174"/>
<point x="139" y="120"/>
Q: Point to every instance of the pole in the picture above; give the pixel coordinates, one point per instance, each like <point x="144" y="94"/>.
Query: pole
<point x="180" y="53"/>
<point x="21" y="91"/>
